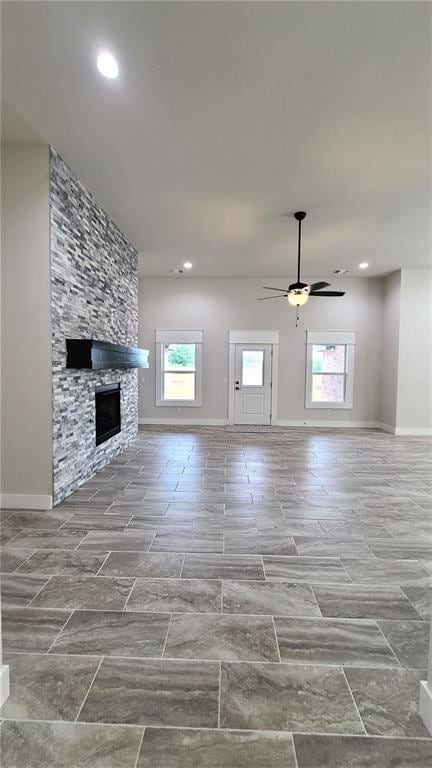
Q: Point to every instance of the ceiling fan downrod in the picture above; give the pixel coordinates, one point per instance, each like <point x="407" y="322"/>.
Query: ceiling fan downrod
<point x="299" y="215"/>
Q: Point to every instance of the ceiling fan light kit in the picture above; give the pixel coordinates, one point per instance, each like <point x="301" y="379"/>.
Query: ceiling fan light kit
<point x="298" y="293"/>
<point x="297" y="297"/>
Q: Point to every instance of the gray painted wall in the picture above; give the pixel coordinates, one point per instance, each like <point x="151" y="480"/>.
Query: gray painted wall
<point x="26" y="409"/>
<point x="220" y="305"/>
<point x="414" y="400"/>
<point x="390" y="350"/>
<point x="94" y="295"/>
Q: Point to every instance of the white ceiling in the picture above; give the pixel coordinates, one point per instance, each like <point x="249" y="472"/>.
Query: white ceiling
<point x="228" y="115"/>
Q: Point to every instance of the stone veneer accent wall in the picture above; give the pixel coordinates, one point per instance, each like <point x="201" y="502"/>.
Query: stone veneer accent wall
<point x="94" y="283"/>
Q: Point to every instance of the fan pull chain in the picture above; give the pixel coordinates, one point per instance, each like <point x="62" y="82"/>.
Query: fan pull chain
<point x="297" y="317"/>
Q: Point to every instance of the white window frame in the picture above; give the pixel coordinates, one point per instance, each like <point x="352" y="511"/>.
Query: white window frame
<point x="344" y="338"/>
<point x="163" y="337"/>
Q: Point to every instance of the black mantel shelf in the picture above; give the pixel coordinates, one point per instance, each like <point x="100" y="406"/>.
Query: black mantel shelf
<point x="89" y="353"/>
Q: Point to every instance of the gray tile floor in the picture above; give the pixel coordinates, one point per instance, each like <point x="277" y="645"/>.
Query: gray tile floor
<point x="225" y="600"/>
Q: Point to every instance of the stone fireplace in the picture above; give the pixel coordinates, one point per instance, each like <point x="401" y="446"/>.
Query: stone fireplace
<point x="94" y="289"/>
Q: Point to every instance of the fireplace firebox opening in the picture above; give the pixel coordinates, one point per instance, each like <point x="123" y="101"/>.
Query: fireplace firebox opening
<point x="108" y="416"/>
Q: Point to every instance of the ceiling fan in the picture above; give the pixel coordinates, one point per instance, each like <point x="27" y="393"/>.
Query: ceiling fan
<point x="298" y="293"/>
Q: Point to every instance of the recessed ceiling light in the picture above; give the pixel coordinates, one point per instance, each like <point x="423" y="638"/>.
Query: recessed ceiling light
<point x="107" y="65"/>
<point x="363" y="265"/>
<point x="188" y="265"/>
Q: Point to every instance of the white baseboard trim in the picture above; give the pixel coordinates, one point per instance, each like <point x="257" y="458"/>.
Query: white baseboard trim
<point x="25" y="501"/>
<point x="426" y="704"/>
<point x="186" y="422"/>
<point x="4" y="683"/>
<point x="326" y="424"/>
<point x="413" y="431"/>
<point x="277" y="423"/>
<point x="191" y="422"/>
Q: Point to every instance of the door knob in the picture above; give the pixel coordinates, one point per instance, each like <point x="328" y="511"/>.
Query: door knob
<point x="237" y="387"/>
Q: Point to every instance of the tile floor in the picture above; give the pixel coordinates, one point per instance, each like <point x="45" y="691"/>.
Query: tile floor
<point x="225" y="600"/>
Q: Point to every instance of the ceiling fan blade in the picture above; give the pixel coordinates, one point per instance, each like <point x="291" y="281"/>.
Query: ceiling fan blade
<point x="281" y="296"/>
<point x="327" y="293"/>
<point x="318" y="286"/>
<point x="267" y="288"/>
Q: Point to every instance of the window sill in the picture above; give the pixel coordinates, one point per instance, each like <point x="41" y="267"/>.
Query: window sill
<point x="330" y="406"/>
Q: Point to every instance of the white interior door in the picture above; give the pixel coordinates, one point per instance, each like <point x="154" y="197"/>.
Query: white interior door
<point x="253" y="380"/>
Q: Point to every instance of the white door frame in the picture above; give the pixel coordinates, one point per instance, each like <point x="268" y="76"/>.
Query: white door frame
<point x="253" y="337"/>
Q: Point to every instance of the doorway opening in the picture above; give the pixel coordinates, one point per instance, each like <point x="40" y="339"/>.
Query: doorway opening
<point x="253" y="377"/>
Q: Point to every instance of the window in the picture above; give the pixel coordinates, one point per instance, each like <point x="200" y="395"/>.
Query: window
<point x="252" y="368"/>
<point x="330" y="369"/>
<point x="178" y="368"/>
